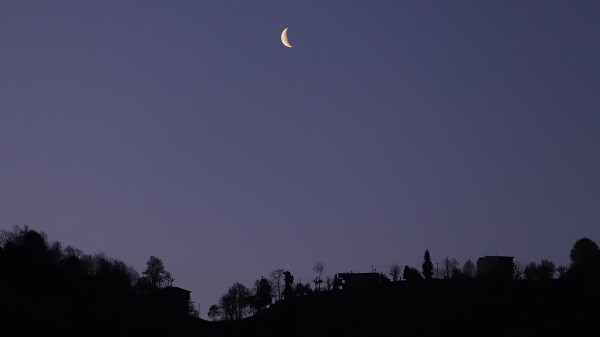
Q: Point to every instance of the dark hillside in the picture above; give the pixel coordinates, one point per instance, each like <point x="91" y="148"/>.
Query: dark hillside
<point x="47" y="290"/>
<point x="438" y="308"/>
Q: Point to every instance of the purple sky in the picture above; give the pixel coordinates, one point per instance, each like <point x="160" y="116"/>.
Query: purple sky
<point x="188" y="131"/>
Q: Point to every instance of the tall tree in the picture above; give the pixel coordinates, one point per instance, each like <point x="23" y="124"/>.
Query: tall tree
<point x="318" y="268"/>
<point x="227" y="305"/>
<point x="155" y="271"/>
<point x="585" y="259"/>
<point x="427" y="265"/>
<point x="235" y="302"/>
<point x="288" y="288"/>
<point x="277" y="281"/>
<point x="395" y="271"/>
<point x="262" y="294"/>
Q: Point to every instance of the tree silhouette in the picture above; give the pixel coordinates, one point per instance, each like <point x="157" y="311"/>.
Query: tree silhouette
<point x="412" y="274"/>
<point x="215" y="312"/>
<point x="450" y="268"/>
<point x="585" y="259"/>
<point x="288" y="288"/>
<point x="234" y="304"/>
<point x="262" y="294"/>
<point x="427" y="265"/>
<point x="518" y="271"/>
<point x="562" y="271"/>
<point x="328" y="283"/>
<point x="277" y="280"/>
<point x="469" y="269"/>
<point x="318" y="268"/>
<point x="303" y="289"/>
<point x="545" y="270"/>
<point x="530" y="272"/>
<point x="227" y="305"/>
<point x="395" y="272"/>
<point x="168" y="280"/>
<point x="155" y="271"/>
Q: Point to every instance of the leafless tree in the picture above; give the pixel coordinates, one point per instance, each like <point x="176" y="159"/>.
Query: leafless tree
<point x="216" y="313"/>
<point x="395" y="272"/>
<point x="518" y="271"/>
<point x="450" y="267"/>
<point x="277" y="280"/>
<point x="328" y="283"/>
<point x="469" y="269"/>
<point x="318" y="268"/>
<point x="168" y="280"/>
<point x="70" y="251"/>
<point x="438" y="272"/>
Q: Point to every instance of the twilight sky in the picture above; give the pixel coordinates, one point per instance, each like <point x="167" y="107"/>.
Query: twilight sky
<point x="188" y="131"/>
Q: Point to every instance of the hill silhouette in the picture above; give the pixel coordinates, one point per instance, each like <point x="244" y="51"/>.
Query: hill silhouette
<point x="436" y="308"/>
<point x="47" y="290"/>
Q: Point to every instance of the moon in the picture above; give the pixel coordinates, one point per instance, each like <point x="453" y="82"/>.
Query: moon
<point x="284" y="38"/>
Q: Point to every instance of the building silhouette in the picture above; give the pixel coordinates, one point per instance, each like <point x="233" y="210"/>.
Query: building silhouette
<point x="358" y="280"/>
<point x="500" y="267"/>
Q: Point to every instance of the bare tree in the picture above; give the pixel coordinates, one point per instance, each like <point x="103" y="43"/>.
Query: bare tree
<point x="318" y="268"/>
<point x="277" y="280"/>
<point x="438" y="272"/>
<point x="450" y="268"/>
<point x="328" y="283"/>
<point x="168" y="281"/>
<point x="215" y="313"/>
<point x="518" y="271"/>
<point x="395" y="272"/>
<point x="469" y="269"/>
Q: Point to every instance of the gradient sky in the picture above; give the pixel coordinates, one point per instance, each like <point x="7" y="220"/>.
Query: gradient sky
<point x="186" y="130"/>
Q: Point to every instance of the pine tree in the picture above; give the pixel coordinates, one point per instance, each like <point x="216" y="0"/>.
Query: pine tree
<point x="427" y="265"/>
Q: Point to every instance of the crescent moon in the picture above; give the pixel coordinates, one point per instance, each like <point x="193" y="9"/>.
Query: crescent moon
<point x="284" y="38"/>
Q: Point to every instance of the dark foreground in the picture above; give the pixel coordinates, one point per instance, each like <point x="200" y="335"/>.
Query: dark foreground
<point x="437" y="308"/>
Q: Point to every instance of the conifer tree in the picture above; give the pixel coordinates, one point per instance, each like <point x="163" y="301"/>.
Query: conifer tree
<point x="427" y="265"/>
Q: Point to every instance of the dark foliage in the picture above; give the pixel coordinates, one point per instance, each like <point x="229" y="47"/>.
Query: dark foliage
<point x="412" y="274"/>
<point x="288" y="288"/>
<point x="585" y="259"/>
<point x="47" y="290"/>
<point x="427" y="265"/>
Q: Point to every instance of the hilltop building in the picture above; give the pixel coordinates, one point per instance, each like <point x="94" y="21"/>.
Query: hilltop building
<point x="495" y="267"/>
<point x="358" y="280"/>
<point x="177" y="297"/>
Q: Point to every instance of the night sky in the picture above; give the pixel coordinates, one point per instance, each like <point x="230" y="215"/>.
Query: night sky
<point x="187" y="130"/>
